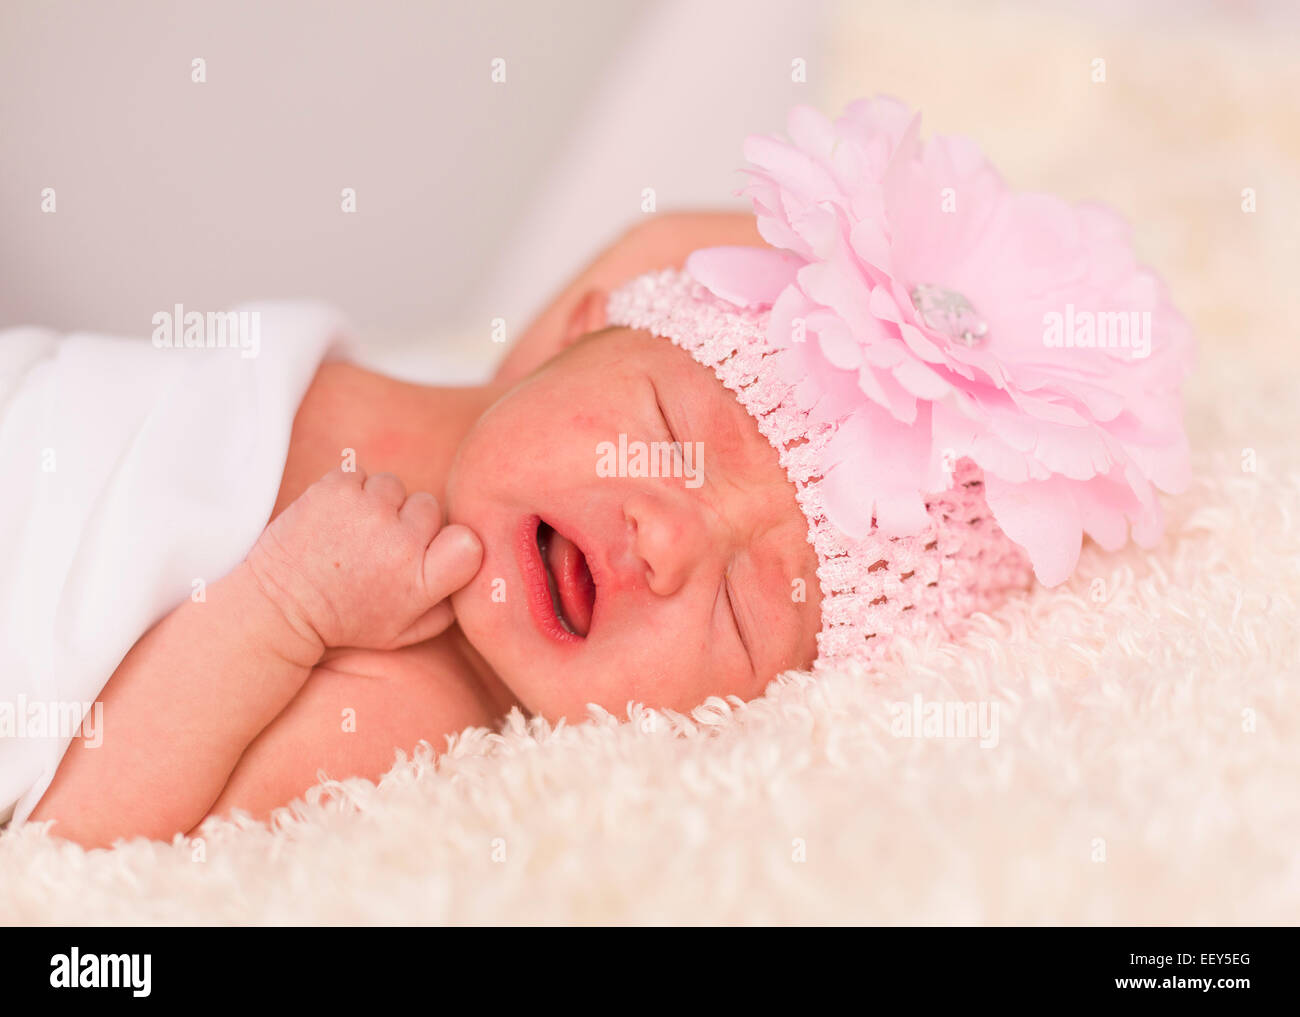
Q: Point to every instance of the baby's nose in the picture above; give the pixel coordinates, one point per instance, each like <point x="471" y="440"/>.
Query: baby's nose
<point x="670" y="536"/>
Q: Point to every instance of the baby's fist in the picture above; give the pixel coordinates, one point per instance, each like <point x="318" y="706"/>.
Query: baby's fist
<point x="356" y="562"/>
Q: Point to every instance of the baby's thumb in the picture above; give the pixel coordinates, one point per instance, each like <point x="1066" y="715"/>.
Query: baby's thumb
<point x="451" y="560"/>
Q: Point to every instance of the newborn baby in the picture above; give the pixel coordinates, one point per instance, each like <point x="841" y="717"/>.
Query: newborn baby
<point x="439" y="556"/>
<point x="906" y="389"/>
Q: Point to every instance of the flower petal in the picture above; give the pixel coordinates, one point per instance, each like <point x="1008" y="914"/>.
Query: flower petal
<point x="877" y="468"/>
<point x="1043" y="518"/>
<point x="745" y="276"/>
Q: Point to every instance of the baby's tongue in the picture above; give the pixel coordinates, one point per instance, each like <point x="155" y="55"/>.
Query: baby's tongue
<point x="572" y="581"/>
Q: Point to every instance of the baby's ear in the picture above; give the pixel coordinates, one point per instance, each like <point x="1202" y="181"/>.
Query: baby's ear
<point x="588" y="315"/>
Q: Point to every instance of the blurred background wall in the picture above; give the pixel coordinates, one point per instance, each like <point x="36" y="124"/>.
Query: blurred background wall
<point x="474" y="198"/>
<point x="477" y="199"/>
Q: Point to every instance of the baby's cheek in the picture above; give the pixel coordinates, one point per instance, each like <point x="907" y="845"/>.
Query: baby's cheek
<point x="641" y="669"/>
<point x="683" y="677"/>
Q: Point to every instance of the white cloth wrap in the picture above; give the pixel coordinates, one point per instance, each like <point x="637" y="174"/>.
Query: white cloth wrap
<point x="129" y="471"/>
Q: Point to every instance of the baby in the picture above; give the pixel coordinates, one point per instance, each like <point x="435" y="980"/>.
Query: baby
<point x="885" y="440"/>
<point x="485" y="564"/>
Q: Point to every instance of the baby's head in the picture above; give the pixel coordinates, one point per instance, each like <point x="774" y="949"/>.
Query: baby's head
<point x="892" y="427"/>
<point x="602" y="583"/>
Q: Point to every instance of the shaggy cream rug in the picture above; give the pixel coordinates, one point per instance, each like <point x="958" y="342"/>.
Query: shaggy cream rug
<point x="1141" y="741"/>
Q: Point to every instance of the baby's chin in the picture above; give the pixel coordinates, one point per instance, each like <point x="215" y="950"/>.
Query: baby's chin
<point x="541" y="689"/>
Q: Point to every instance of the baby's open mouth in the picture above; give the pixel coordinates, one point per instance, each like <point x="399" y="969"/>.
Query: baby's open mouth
<point x="573" y="592"/>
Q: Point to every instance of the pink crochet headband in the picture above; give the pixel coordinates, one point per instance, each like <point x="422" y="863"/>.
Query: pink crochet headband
<point x="959" y="380"/>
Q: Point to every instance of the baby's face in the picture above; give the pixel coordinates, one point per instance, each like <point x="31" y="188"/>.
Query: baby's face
<point x="601" y="584"/>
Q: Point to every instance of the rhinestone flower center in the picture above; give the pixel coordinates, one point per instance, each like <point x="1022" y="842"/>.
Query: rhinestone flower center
<point x="949" y="313"/>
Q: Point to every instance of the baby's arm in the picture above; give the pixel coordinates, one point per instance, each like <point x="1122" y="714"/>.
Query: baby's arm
<point x="353" y="562"/>
<point x="662" y="241"/>
<point x="179" y="710"/>
<point x="355" y="711"/>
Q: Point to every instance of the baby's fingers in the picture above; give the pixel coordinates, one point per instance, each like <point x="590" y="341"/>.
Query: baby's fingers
<point x="433" y="622"/>
<point x="386" y="487"/>
<point x="451" y="561"/>
<point x="422" y="512"/>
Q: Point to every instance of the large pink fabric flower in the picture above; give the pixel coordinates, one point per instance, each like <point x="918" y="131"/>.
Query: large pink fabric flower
<point x="924" y="308"/>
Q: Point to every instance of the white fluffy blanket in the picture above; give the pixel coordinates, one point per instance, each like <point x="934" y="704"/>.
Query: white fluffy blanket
<point x="1148" y="739"/>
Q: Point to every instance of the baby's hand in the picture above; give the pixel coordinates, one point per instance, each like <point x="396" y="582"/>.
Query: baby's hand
<point x="355" y="562"/>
